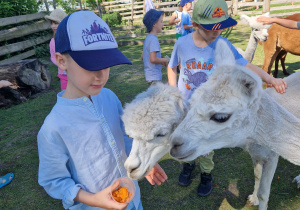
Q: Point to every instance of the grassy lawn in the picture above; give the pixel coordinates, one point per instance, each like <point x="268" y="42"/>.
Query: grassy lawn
<point x="234" y="179"/>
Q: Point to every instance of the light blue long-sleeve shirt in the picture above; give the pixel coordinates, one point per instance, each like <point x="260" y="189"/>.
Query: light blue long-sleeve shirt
<point x="82" y="144"/>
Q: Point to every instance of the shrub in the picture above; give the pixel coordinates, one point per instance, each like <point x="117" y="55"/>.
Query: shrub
<point x="114" y="18"/>
<point x="10" y="8"/>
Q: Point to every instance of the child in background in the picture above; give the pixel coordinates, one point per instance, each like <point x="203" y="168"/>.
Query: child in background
<point x="176" y="19"/>
<point x="82" y="144"/>
<point x="186" y="19"/>
<point x="195" y="52"/>
<point x="55" y="17"/>
<point x="153" y="20"/>
<point x="281" y="21"/>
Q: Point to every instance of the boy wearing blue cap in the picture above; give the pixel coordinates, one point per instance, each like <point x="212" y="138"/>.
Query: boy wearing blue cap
<point x="186" y="19"/>
<point x="195" y="53"/>
<point x="153" y="20"/>
<point x="82" y="144"/>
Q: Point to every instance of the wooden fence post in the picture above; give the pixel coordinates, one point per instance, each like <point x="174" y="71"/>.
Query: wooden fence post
<point x="132" y="4"/>
<point x="266" y="6"/>
<point x="235" y="6"/>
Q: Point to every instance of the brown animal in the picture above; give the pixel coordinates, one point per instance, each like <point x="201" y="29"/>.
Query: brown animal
<point x="281" y="41"/>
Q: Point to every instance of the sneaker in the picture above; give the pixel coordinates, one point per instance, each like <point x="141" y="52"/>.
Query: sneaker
<point x="186" y="173"/>
<point x="205" y="185"/>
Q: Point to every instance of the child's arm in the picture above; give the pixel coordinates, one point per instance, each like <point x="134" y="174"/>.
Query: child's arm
<point x="185" y="26"/>
<point x="157" y="175"/>
<point x="172" y="76"/>
<point x="156" y="60"/>
<point x="278" y="83"/>
<point x="172" y="19"/>
<point x="52" y="51"/>
<point x="283" y="22"/>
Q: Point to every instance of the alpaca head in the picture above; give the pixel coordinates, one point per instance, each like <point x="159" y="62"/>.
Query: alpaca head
<point x="220" y="109"/>
<point x="259" y="31"/>
<point x="149" y="120"/>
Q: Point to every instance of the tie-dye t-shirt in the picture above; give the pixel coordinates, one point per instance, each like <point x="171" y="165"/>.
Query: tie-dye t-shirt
<point x="197" y="63"/>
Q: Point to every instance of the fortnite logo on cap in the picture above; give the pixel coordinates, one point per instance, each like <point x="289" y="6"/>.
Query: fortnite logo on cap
<point x="96" y="34"/>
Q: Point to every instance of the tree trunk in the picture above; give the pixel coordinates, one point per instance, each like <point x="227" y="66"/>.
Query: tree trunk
<point x="46" y="4"/>
<point x="54" y="4"/>
<point x="80" y="4"/>
<point x="28" y="77"/>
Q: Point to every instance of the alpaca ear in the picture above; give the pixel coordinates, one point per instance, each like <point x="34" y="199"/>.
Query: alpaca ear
<point x="245" y="19"/>
<point x="248" y="82"/>
<point x="224" y="55"/>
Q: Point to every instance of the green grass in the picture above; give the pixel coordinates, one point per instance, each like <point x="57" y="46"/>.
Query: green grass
<point x="234" y="179"/>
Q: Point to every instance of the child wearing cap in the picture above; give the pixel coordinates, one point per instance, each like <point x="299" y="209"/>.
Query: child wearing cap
<point x="176" y="19"/>
<point x="55" y="17"/>
<point x="186" y="19"/>
<point x="82" y="144"/>
<point x="153" y="20"/>
<point x="195" y="53"/>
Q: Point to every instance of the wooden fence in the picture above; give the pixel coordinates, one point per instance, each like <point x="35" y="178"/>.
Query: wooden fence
<point x="234" y="7"/>
<point x="133" y="11"/>
<point x="22" y="49"/>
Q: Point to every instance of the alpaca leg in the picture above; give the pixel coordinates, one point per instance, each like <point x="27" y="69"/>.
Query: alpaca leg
<point x="253" y="199"/>
<point x="282" y="59"/>
<point x="281" y="56"/>
<point x="268" y="171"/>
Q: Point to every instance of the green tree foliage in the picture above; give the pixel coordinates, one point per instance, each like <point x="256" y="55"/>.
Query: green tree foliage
<point x="114" y="18"/>
<point x="10" y="8"/>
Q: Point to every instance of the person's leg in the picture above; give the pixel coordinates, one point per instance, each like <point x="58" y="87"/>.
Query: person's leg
<point x="206" y="166"/>
<point x="184" y="178"/>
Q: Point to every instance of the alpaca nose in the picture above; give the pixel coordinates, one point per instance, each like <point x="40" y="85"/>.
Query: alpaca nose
<point x="176" y="144"/>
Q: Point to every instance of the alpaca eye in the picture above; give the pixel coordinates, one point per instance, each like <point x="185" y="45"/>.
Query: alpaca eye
<point x="220" y="117"/>
<point x="160" y="135"/>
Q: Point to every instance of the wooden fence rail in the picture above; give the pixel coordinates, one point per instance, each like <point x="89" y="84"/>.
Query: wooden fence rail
<point x="134" y="11"/>
<point x="22" y="49"/>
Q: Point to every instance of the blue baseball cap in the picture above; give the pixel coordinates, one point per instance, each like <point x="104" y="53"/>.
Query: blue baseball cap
<point x="89" y="41"/>
<point x="183" y="2"/>
<point x="150" y="18"/>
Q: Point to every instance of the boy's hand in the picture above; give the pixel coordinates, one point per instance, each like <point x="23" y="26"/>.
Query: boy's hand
<point x="157" y="175"/>
<point x="165" y="62"/>
<point x="278" y="83"/>
<point x="107" y="202"/>
<point x="101" y="199"/>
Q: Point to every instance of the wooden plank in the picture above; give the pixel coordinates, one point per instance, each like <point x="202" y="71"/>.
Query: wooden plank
<point x="285" y="7"/>
<point x="124" y="9"/>
<point x="166" y="32"/>
<point x="23" y="31"/>
<point x="129" y="13"/>
<point x="113" y="2"/>
<point x="134" y="17"/>
<point x="18" y="57"/>
<point x="165" y="3"/>
<point x="282" y="1"/>
<point x="283" y="14"/>
<point x="122" y="5"/>
<point x="19" y="46"/>
<point x="21" y="19"/>
<point x="140" y="42"/>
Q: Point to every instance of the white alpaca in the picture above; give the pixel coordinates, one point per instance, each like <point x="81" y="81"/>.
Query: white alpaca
<point x="232" y="110"/>
<point x="150" y="119"/>
<point x="259" y="32"/>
